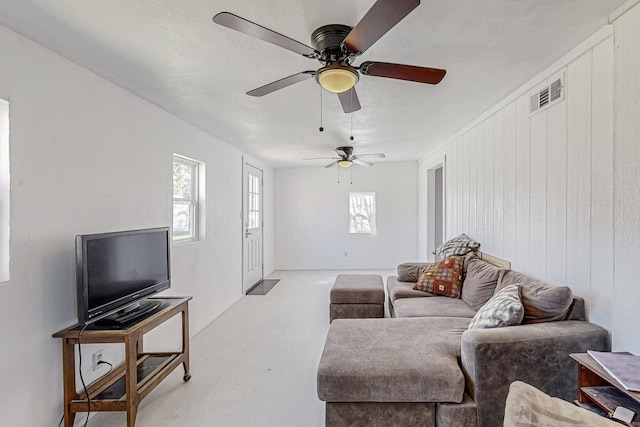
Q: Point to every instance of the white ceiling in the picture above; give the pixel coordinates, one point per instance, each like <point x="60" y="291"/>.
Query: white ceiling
<point x="172" y="54"/>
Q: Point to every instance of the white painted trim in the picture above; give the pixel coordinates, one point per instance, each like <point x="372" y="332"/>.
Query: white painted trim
<point x="627" y="6"/>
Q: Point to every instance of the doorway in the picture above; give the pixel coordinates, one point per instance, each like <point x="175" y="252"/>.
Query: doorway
<point x="435" y="227"/>
<point x="253" y="268"/>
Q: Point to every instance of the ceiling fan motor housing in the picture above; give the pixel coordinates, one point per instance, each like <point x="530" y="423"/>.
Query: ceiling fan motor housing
<point x="346" y="150"/>
<point x="328" y="40"/>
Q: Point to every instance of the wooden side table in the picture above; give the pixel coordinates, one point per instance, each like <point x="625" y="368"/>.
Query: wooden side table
<point x="128" y="383"/>
<point x="600" y="392"/>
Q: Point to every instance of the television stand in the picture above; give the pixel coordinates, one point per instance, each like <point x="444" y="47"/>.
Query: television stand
<point x="128" y="383"/>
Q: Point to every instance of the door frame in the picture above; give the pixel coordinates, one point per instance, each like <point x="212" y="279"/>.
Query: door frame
<point x="433" y="202"/>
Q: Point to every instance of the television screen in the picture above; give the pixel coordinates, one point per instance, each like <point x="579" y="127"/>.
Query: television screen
<point x="117" y="269"/>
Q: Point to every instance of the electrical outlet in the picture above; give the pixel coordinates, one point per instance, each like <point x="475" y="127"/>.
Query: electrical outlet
<point x="97" y="358"/>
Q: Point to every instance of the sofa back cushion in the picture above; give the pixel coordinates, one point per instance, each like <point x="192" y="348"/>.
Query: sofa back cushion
<point x="480" y="281"/>
<point x="543" y="302"/>
<point x="411" y="271"/>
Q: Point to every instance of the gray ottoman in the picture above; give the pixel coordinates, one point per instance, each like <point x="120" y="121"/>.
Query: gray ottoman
<point x="388" y="372"/>
<point x="355" y="296"/>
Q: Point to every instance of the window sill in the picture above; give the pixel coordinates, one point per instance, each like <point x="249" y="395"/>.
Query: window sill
<point x="186" y="242"/>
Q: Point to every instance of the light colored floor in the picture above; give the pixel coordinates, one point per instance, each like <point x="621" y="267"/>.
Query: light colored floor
<point x="253" y="366"/>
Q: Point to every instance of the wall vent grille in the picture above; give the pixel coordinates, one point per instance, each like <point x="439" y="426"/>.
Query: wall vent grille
<point x="556" y="90"/>
<point x="547" y="95"/>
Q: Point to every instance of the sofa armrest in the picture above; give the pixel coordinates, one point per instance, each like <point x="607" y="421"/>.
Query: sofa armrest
<point x="537" y="354"/>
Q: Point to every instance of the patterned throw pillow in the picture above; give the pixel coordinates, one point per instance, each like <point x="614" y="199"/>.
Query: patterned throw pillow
<point x="443" y="279"/>
<point x="503" y="309"/>
<point x="460" y="245"/>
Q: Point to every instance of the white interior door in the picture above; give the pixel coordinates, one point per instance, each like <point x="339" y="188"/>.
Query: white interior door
<point x="252" y="219"/>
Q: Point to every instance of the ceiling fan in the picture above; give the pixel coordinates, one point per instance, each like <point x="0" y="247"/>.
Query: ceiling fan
<point x="336" y="46"/>
<point x="347" y="158"/>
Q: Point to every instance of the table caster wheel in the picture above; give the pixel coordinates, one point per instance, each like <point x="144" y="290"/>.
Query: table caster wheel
<point x="186" y="377"/>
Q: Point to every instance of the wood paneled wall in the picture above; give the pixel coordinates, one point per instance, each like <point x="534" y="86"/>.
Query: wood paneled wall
<point x="538" y="189"/>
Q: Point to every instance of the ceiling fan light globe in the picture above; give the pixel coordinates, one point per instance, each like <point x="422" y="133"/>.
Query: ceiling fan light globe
<point x="337" y="80"/>
<point x="345" y="163"/>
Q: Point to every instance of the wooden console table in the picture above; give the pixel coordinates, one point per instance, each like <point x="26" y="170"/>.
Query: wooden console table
<point x="600" y="392"/>
<point x="128" y="383"/>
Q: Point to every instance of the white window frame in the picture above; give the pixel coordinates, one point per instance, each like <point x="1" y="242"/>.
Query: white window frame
<point x="254" y="221"/>
<point x="195" y="201"/>
<point x="356" y="202"/>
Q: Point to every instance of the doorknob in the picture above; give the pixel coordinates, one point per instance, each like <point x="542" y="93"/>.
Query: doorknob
<point x="247" y="233"/>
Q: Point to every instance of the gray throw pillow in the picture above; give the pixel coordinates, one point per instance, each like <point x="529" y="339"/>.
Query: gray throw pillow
<point x="411" y="271"/>
<point x="503" y="309"/>
<point x="480" y="282"/>
<point x="460" y="245"/>
<point x="543" y="302"/>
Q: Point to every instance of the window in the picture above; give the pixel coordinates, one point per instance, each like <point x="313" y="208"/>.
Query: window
<point x="187" y="199"/>
<point x="253" y="205"/>
<point x="362" y="213"/>
<point x="4" y="191"/>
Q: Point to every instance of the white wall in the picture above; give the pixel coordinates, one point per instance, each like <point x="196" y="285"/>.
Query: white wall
<point x="88" y="157"/>
<point x="626" y="289"/>
<point x="312" y="217"/>
<point x="557" y="192"/>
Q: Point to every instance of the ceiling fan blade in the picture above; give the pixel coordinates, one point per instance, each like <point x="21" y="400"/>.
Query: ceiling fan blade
<point x="377" y="155"/>
<point x="237" y="23"/>
<point x="282" y="83"/>
<point x="382" y="16"/>
<point x="411" y="73"/>
<point x="349" y="100"/>
<point x="361" y="162"/>
<point x="332" y="164"/>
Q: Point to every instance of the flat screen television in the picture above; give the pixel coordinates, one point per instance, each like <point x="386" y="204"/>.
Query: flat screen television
<point x="116" y="271"/>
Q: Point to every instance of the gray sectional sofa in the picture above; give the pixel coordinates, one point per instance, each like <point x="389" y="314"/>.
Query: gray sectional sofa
<point x="424" y="367"/>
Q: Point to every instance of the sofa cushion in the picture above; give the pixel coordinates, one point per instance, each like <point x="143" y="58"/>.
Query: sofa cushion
<point x="444" y="279"/>
<point x="543" y="302"/>
<point x="399" y="290"/>
<point x="503" y="309"/>
<point x="460" y="245"/>
<point x="392" y="360"/>
<point x="357" y="289"/>
<point x="411" y="271"/>
<point x="480" y="281"/>
<point x="437" y="306"/>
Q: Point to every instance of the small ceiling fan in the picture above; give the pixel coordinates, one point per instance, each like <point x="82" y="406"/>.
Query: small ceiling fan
<point x="347" y="158"/>
<point x="335" y="47"/>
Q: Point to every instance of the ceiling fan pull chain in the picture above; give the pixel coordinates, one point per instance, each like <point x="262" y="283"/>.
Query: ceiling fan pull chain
<point x="351" y="137"/>
<point x="351" y="171"/>
<point x="321" y="128"/>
